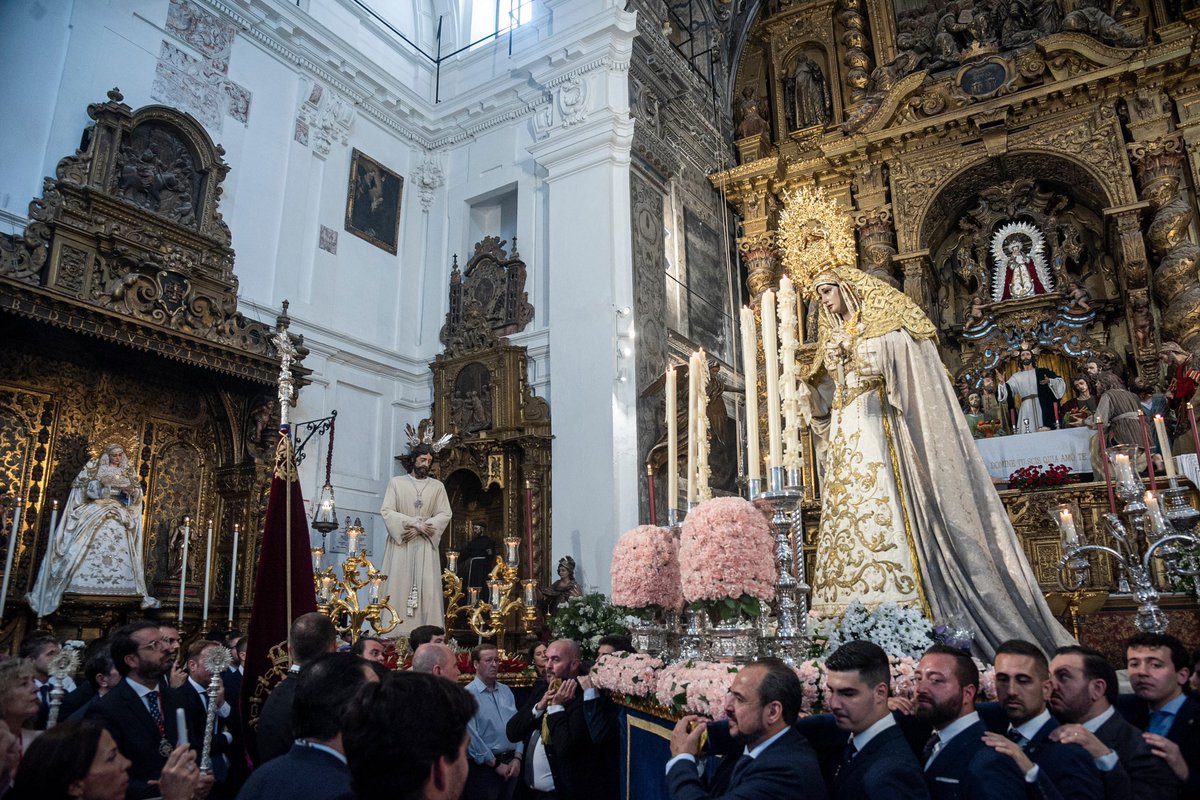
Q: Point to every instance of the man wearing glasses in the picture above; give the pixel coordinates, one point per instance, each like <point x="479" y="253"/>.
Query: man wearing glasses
<point x="137" y="712"/>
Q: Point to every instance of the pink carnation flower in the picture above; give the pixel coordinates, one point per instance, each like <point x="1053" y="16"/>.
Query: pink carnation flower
<point x="645" y="569"/>
<point x="726" y="550"/>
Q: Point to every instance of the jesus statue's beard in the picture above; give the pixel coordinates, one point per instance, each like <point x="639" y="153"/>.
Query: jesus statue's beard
<point x="421" y="472"/>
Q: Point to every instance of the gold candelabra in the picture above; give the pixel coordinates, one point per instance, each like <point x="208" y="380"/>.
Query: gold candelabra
<point x="507" y="594"/>
<point x="338" y="599"/>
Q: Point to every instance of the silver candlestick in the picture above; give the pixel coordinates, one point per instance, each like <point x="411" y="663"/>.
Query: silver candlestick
<point x="216" y="660"/>
<point x="781" y="506"/>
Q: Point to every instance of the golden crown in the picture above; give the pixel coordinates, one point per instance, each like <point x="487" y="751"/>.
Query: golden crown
<point x="815" y="234"/>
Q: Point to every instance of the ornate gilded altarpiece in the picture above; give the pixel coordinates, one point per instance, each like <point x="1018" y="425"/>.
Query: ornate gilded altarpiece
<point x="120" y="325"/>
<point x="1076" y="126"/>
<point x="501" y="445"/>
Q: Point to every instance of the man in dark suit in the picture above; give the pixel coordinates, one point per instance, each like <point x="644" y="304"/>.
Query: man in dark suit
<point x="1052" y="769"/>
<point x="136" y="712"/>
<point x="957" y="762"/>
<point x="876" y="762"/>
<point x="776" y="760"/>
<point x="231" y="678"/>
<point x="1159" y="669"/>
<point x="193" y="698"/>
<point x="406" y="738"/>
<point x="310" y="635"/>
<point x="1083" y="687"/>
<point x="560" y="759"/>
<point x="100" y="675"/>
<point x="315" y="768"/>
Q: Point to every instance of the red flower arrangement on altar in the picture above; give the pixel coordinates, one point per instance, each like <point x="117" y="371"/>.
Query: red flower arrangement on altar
<point x="1032" y="477"/>
<point x="645" y="569"/>
<point x="727" y="558"/>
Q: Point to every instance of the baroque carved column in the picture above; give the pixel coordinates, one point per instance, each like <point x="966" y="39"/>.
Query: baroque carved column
<point x="1159" y="164"/>
<point x="857" y="41"/>
<point x="915" y="268"/>
<point x="874" y="222"/>
<point x="762" y="263"/>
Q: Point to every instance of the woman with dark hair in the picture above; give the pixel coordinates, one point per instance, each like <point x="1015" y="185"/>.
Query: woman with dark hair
<point x="79" y="759"/>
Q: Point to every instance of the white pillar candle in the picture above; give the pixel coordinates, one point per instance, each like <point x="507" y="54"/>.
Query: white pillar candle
<point x="233" y="565"/>
<point x="187" y="535"/>
<point x="703" y="476"/>
<point x="693" y="381"/>
<point x="1164" y="445"/>
<point x="53" y="516"/>
<point x="8" y="559"/>
<point x="787" y="379"/>
<point x="750" y="370"/>
<point x="1066" y="526"/>
<point x="672" y="401"/>
<point x="208" y="547"/>
<point x="771" y="357"/>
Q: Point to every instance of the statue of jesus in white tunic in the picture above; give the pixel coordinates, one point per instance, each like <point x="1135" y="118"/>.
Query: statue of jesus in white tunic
<point x="416" y="512"/>
<point x="1033" y="393"/>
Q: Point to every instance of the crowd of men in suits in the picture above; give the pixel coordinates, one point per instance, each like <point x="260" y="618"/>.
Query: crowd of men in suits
<point x="341" y="726"/>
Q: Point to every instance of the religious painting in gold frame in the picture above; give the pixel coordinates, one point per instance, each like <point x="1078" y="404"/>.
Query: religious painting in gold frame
<point x="373" y="202"/>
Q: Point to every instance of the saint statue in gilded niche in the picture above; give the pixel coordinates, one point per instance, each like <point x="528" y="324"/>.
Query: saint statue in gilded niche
<point x="1018" y="251"/>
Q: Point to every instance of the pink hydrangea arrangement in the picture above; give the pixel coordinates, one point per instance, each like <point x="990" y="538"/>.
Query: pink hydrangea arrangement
<point x="726" y="558"/>
<point x="630" y="674"/>
<point x="695" y="687"/>
<point x="645" y="569"/>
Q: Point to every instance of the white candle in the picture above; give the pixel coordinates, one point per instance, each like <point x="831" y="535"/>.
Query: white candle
<point x="1122" y="468"/>
<point x="1066" y="525"/>
<point x="703" y="489"/>
<point x="1158" y="523"/>
<point x="771" y="356"/>
<point x="788" y="374"/>
<point x="181" y="727"/>
<point x="750" y="370"/>
<point x="208" y="547"/>
<point x="8" y="560"/>
<point x="233" y="564"/>
<point x="53" y="516"/>
<point x="693" y="382"/>
<point x="672" y="440"/>
<point x="187" y="535"/>
<point x="1164" y="444"/>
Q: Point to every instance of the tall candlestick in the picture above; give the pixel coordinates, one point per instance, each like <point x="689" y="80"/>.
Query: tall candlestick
<point x="693" y="383"/>
<point x="1146" y="447"/>
<point x="1164" y="445"/>
<point x="529" y="528"/>
<point x="789" y="396"/>
<point x="187" y="535"/>
<point x="208" y="547"/>
<point x="771" y="356"/>
<point x="750" y="371"/>
<point x="1195" y="435"/>
<point x="1112" y="499"/>
<point x="8" y="559"/>
<point x="233" y="564"/>
<point x="672" y="400"/>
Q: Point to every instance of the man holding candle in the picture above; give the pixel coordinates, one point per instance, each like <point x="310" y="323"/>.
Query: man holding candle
<point x="416" y="512"/>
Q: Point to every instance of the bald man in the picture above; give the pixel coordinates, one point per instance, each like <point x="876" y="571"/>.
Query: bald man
<point x="560" y="757"/>
<point x="434" y="658"/>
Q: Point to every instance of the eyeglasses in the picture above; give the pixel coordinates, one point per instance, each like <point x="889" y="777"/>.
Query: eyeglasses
<point x="156" y="644"/>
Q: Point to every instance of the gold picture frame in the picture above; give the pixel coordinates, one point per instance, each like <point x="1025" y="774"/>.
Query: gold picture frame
<point x="373" y="202"/>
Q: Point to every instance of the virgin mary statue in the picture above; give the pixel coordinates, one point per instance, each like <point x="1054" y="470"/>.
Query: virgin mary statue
<point x="97" y="548"/>
<point x="908" y="511"/>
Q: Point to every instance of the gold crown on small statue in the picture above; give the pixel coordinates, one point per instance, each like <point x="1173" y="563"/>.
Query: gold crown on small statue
<point x="815" y="234"/>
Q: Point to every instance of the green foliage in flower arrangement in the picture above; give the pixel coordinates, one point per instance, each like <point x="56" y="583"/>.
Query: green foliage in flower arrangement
<point x="586" y="619"/>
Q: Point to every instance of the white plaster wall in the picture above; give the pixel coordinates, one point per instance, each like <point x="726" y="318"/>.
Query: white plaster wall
<point x="370" y="318"/>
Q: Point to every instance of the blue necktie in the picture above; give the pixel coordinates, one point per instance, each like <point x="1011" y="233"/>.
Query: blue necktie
<point x="1015" y="736"/>
<point x="1160" y="722"/>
